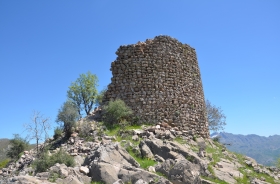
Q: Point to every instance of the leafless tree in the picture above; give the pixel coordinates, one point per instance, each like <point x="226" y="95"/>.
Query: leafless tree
<point x="38" y="126"/>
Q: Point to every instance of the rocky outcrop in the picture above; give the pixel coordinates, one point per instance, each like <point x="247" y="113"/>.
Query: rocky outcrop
<point x="178" y="157"/>
<point x="160" y="80"/>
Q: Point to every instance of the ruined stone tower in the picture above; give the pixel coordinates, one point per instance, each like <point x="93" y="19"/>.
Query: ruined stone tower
<point x="160" y="80"/>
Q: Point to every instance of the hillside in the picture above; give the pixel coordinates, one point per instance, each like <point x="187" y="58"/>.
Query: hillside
<point x="266" y="150"/>
<point x="137" y="154"/>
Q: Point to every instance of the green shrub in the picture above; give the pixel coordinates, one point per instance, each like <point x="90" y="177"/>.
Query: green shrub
<point x="4" y="163"/>
<point x="217" y="139"/>
<point x="18" y="145"/>
<point x="46" y="161"/>
<point x="57" y="132"/>
<point x="116" y="112"/>
<point x="68" y="114"/>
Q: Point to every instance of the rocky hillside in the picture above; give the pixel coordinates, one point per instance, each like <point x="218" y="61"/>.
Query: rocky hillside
<point x="266" y="150"/>
<point x="139" y="155"/>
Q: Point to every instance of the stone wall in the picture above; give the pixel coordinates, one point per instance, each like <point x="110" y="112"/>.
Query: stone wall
<point x="160" y="80"/>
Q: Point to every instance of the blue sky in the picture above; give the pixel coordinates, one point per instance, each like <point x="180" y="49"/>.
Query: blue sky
<point x="46" y="45"/>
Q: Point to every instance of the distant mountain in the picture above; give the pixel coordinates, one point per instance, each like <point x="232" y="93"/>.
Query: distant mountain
<point x="265" y="150"/>
<point x="4" y="144"/>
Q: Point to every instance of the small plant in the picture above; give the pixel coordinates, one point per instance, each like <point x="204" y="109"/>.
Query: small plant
<point x="57" y="132"/>
<point x="161" y="174"/>
<point x="180" y="140"/>
<point x="190" y="158"/>
<point x="53" y="176"/>
<point x="211" y="170"/>
<point x="195" y="137"/>
<point x="217" y="139"/>
<point x="116" y="112"/>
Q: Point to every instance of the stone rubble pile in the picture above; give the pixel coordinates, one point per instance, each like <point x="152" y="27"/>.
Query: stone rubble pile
<point x="160" y="80"/>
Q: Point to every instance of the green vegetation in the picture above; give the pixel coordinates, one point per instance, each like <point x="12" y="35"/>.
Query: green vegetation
<point x="278" y="163"/>
<point x="53" y="176"/>
<point x="116" y="112"/>
<point x="180" y="140"/>
<point x="18" y="145"/>
<point x="4" y="163"/>
<point x="97" y="182"/>
<point x="57" y="132"/>
<point x="99" y="97"/>
<point x="68" y="114"/>
<point x="215" y="116"/>
<point x="45" y="161"/>
<point x="215" y="180"/>
<point x="144" y="162"/>
<point x="83" y="92"/>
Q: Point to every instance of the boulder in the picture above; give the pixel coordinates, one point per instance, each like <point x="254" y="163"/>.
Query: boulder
<point x="179" y="171"/>
<point x="84" y="170"/>
<point x="145" y="150"/>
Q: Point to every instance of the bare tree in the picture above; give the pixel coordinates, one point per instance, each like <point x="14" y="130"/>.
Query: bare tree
<point x="215" y="116"/>
<point x="38" y="126"/>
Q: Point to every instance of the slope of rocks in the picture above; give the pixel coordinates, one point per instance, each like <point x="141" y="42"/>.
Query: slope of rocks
<point x="177" y="159"/>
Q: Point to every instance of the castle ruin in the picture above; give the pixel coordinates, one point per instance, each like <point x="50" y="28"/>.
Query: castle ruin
<point x="160" y="80"/>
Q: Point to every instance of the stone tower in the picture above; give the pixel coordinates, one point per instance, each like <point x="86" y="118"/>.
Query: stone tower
<point x="160" y="80"/>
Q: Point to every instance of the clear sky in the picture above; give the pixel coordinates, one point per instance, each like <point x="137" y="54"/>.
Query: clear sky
<point x="46" y="45"/>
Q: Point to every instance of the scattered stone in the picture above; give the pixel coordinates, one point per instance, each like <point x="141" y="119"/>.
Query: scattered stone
<point x="135" y="138"/>
<point x="84" y="170"/>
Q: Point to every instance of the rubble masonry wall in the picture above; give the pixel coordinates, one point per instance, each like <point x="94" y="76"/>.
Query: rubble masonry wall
<point x="160" y="80"/>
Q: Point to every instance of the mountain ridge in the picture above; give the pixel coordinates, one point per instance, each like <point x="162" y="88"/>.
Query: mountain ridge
<point x="264" y="149"/>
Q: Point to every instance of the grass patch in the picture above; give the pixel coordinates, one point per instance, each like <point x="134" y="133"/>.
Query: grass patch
<point x="253" y="174"/>
<point x="211" y="170"/>
<point x="144" y="162"/>
<point x="161" y="174"/>
<point x="216" y="154"/>
<point x="180" y="140"/>
<point x="215" y="180"/>
<point x="4" y="163"/>
<point x="97" y="182"/>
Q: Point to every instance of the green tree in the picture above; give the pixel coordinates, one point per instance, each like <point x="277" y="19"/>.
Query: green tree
<point x="68" y="115"/>
<point x="100" y="96"/>
<point x="18" y="145"/>
<point x="116" y="112"/>
<point x="215" y="116"/>
<point x="83" y="92"/>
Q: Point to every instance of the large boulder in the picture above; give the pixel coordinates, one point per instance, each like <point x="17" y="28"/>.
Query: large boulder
<point x="179" y="171"/>
<point x="110" y="163"/>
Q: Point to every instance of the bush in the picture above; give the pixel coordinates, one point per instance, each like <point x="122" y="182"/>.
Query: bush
<point x="68" y="114"/>
<point x="116" y="112"/>
<point x="18" y="145"/>
<point x="46" y="161"/>
<point x="57" y="132"/>
<point x="4" y="163"/>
